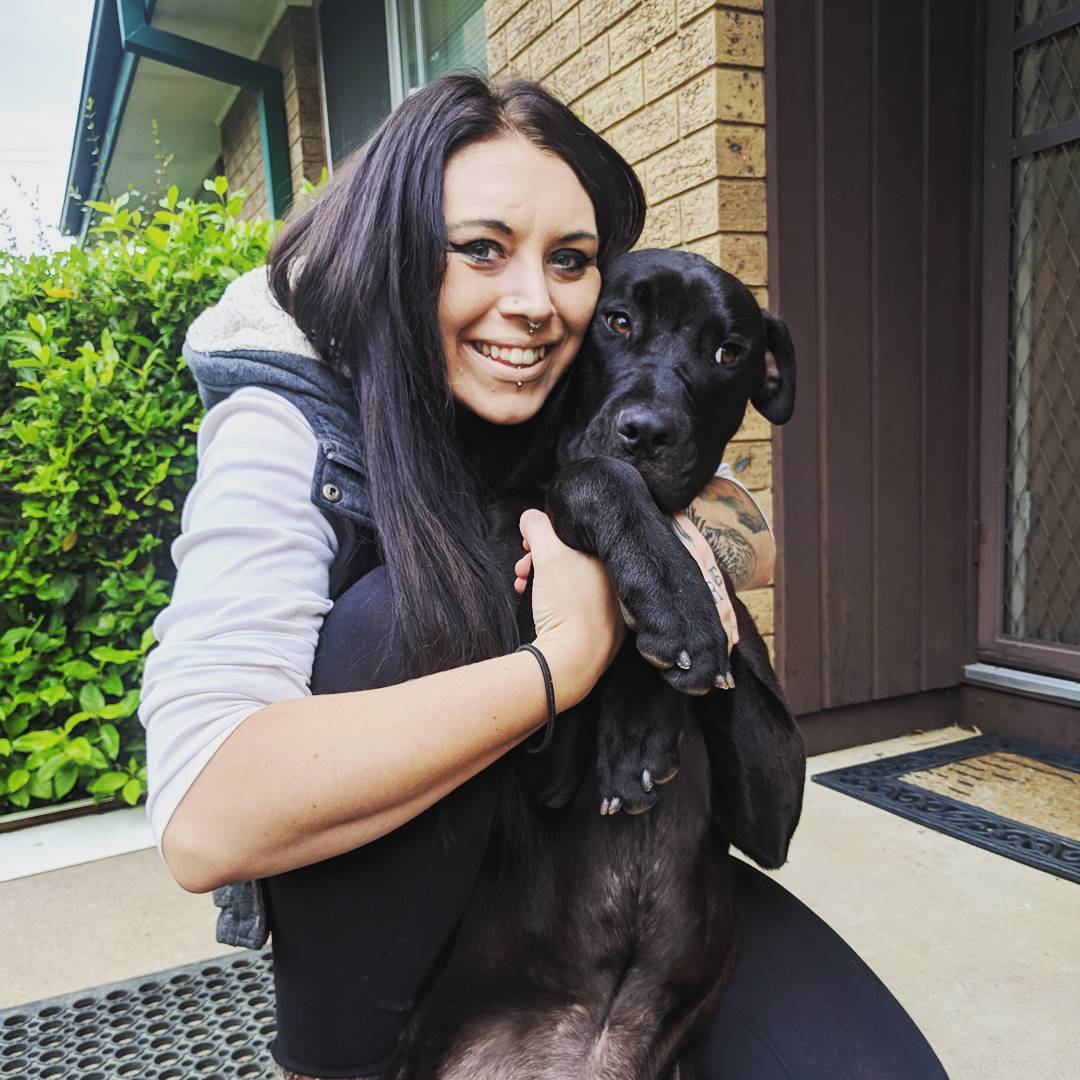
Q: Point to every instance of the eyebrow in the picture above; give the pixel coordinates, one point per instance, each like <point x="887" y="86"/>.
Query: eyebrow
<point x="501" y="227"/>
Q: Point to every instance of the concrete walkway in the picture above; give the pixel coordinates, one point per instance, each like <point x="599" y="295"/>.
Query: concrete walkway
<point x="982" y="951"/>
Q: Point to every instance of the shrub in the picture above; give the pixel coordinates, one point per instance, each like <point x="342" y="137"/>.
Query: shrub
<point x="98" y="415"/>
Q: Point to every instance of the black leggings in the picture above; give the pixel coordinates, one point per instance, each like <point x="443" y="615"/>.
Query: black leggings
<point x="354" y="936"/>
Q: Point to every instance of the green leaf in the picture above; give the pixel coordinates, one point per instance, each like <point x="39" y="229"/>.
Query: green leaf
<point x="107" y="783"/>
<point x="36" y="740"/>
<point x="37" y="323"/>
<point x="65" y="778"/>
<point x="107" y="654"/>
<point x="132" y="791"/>
<point x="51" y="695"/>
<point x="16" y="779"/>
<point x="110" y="739"/>
<point x="79" y="669"/>
<point x="57" y="761"/>
<point x="221" y="185"/>
<point x="79" y="750"/>
<point x="91" y="698"/>
<point x="112" y="683"/>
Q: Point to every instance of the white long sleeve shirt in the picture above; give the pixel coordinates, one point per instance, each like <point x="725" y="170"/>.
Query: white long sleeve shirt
<point x="252" y="589"/>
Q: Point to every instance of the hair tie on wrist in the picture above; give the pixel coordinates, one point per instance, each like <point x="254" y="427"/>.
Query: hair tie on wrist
<point x="549" y="687"/>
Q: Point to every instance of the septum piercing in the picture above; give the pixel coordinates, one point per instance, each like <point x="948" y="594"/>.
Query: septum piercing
<point x="532" y="327"/>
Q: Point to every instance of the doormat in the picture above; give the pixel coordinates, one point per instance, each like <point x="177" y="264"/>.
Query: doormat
<point x="1016" y="798"/>
<point x="213" y="1019"/>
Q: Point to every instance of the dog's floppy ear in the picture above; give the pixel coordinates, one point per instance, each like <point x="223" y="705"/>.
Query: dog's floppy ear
<point x="776" y="398"/>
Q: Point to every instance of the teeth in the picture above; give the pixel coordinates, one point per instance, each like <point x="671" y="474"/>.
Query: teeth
<point x="519" y="357"/>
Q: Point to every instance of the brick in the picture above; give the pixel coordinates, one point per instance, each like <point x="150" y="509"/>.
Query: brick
<point x="759" y="602"/>
<point x="587" y="67"/>
<point x="742" y="38"/>
<point x="561" y="7"/>
<point x="742" y="205"/>
<point x="770" y="644"/>
<point x="517" y="67"/>
<point x="598" y="15"/>
<point x="722" y="94"/>
<point x="527" y="24"/>
<point x="761" y="295"/>
<point x="645" y="27"/>
<point x="556" y="44"/>
<point x="615" y="98"/>
<point x="647" y="131"/>
<point x="746" y="256"/>
<point x="740" y="150"/>
<point x="661" y="226"/>
<point x="740" y="95"/>
<point x="690" y="9"/>
<point x="690" y="162"/>
<point x="691" y="51"/>
<point x="751" y="463"/>
<point x="496" y="12"/>
<point x="700" y="211"/>
<point x="754" y="426"/>
<point x="496" y="51"/>
<point x="708" y="247"/>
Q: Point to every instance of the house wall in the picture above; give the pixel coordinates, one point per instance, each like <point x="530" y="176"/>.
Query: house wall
<point x="677" y="87"/>
<point x="291" y="48"/>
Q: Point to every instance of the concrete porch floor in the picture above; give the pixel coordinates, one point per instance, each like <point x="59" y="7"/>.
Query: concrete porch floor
<point x="983" y="952"/>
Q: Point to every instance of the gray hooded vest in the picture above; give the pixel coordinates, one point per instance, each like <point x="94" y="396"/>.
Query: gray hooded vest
<point x="246" y="339"/>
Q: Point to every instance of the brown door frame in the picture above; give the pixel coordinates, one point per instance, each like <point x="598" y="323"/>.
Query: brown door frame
<point x="1000" y="150"/>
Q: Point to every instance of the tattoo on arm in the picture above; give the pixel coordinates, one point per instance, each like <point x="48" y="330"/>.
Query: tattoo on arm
<point x="752" y="520"/>
<point x="732" y="550"/>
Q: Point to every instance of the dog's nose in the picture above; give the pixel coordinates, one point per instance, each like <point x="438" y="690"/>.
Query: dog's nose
<point x="640" y="428"/>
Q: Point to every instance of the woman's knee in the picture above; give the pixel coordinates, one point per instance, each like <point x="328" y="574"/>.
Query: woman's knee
<point x="354" y="650"/>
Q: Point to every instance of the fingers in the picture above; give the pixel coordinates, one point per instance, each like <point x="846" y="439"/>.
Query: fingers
<point x="537" y="534"/>
<point x="715" y="580"/>
<point x="522" y="570"/>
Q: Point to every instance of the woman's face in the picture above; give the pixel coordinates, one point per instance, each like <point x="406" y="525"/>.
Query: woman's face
<point x="522" y="248"/>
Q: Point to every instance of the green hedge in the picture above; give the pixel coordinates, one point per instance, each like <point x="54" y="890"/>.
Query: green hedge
<point x="98" y="415"/>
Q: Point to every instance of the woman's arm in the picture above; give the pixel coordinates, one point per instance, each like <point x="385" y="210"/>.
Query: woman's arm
<point x="736" y="532"/>
<point x="301" y="781"/>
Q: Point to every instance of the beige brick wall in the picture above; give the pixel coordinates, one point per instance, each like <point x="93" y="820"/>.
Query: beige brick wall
<point x="291" y="49"/>
<point x="677" y="87"/>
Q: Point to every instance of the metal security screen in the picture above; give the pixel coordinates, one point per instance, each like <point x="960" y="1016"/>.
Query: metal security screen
<point x="1029" y="527"/>
<point x="1042" y="528"/>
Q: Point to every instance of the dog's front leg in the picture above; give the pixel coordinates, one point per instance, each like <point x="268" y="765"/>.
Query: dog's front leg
<point x="602" y="506"/>
<point x="637" y="737"/>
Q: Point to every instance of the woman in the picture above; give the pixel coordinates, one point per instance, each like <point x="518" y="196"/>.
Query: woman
<point x="436" y="296"/>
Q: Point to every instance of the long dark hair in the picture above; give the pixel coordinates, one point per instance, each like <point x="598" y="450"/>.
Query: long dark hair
<point x="361" y="271"/>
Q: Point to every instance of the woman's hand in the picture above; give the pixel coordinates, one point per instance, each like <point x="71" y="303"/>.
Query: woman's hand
<point x="579" y="626"/>
<point x="698" y="546"/>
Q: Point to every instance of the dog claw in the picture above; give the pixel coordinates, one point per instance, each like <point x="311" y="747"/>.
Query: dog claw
<point x="629" y="619"/>
<point x="603" y="808"/>
<point x="724" y="682"/>
<point x="683" y="660"/>
<point x="615" y="805"/>
<point x="647" y="781"/>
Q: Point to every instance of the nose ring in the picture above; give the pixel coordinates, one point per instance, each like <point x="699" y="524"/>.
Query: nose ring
<point x="532" y="327"/>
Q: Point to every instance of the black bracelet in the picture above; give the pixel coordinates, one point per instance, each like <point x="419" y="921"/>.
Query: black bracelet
<point x="549" y="686"/>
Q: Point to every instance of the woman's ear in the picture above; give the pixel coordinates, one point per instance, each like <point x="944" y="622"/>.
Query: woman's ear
<point x="776" y="398"/>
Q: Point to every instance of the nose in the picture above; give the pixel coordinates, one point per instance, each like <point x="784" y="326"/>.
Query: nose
<point x="526" y="294"/>
<point x="642" y="429"/>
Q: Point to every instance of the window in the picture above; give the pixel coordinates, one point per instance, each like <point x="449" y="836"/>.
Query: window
<point x="428" y="38"/>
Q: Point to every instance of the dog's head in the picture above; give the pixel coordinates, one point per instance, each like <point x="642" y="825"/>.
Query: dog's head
<point x="676" y="349"/>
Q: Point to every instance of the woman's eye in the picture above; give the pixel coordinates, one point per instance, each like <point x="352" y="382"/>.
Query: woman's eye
<point x="619" y="321"/>
<point x="571" y="260"/>
<point x="727" y="353"/>
<point x="480" y="251"/>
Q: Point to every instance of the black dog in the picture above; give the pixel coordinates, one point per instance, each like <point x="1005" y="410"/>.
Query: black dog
<point x="597" y="944"/>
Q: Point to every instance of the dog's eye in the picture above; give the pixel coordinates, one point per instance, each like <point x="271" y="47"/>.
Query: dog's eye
<point x="727" y="353"/>
<point x="619" y="321"/>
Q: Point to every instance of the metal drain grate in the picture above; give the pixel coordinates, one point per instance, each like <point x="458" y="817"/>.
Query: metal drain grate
<point x="212" y="1019"/>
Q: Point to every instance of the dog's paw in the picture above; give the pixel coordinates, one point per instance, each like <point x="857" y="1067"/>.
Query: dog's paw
<point x="683" y="637"/>
<point x="628" y="784"/>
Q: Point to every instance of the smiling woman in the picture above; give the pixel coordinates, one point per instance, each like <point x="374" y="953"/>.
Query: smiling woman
<point x="514" y="271"/>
